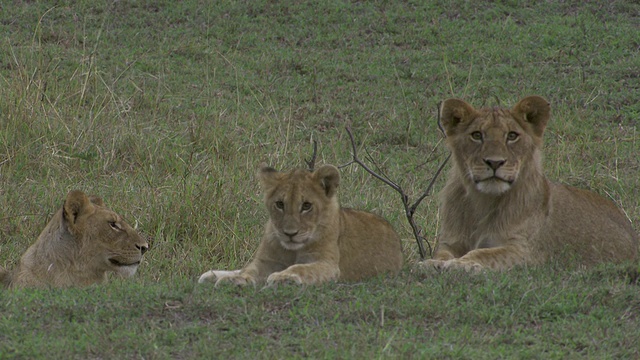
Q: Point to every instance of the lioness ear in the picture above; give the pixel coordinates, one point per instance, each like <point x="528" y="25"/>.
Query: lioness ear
<point x="75" y="203"/>
<point x="453" y="112"/>
<point x="536" y="111"/>
<point x="329" y="179"/>
<point x="96" y="200"/>
<point x="267" y="175"/>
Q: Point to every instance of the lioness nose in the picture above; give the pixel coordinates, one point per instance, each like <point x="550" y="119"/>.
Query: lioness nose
<point x="290" y="233"/>
<point x="494" y="164"/>
<point x="143" y="248"/>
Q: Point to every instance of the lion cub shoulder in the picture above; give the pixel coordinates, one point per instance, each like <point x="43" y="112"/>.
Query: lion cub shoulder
<point x="310" y="239"/>
<point x="498" y="209"/>
<point x="83" y="241"/>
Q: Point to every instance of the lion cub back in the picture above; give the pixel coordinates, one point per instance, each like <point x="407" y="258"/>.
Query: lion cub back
<point x="368" y="246"/>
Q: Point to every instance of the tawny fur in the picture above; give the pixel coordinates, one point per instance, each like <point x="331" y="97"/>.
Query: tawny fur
<point x="310" y="239"/>
<point x="82" y="242"/>
<point x="497" y="208"/>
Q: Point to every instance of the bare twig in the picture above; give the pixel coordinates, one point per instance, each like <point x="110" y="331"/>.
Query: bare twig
<point x="409" y="209"/>
<point x="311" y="164"/>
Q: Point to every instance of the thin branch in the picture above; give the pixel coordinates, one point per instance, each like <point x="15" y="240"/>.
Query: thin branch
<point x="428" y="190"/>
<point x="356" y="160"/>
<point x="409" y="209"/>
<point x="311" y="164"/>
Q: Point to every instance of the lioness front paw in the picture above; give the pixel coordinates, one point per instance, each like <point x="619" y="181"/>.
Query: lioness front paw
<point x="466" y="265"/>
<point x="432" y="264"/>
<point x="284" y="278"/>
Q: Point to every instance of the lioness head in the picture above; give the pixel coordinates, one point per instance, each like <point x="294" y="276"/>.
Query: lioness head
<point x="299" y="203"/>
<point x="102" y="235"/>
<point x="492" y="145"/>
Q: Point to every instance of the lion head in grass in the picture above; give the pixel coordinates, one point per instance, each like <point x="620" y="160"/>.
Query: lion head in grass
<point x="82" y="243"/>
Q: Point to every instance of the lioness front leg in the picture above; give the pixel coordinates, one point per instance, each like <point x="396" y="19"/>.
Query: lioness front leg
<point x="306" y="274"/>
<point x="497" y="258"/>
<point x="440" y="257"/>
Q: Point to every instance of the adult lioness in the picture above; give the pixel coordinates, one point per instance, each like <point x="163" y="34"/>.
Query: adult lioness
<point x="498" y="209"/>
<point x="82" y="242"/>
<point x="310" y="239"/>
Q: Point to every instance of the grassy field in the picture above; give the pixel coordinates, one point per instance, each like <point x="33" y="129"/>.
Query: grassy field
<point x="165" y="109"/>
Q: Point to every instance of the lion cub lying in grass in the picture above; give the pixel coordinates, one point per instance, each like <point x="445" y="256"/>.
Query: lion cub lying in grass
<point x="498" y="209"/>
<point x="310" y="239"/>
<point x="82" y="242"/>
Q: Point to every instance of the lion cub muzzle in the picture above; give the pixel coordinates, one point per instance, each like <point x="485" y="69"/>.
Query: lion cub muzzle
<point x="293" y="240"/>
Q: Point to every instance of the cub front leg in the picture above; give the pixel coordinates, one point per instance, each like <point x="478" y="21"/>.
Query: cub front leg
<point x="306" y="274"/>
<point x="254" y="273"/>
<point x="241" y="278"/>
<point x="269" y="258"/>
<point x="215" y="275"/>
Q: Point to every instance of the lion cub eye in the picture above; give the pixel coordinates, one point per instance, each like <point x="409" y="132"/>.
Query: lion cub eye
<point x="279" y="205"/>
<point x="476" y="135"/>
<point x="115" y="226"/>
<point x="306" y="206"/>
<point x="512" y="136"/>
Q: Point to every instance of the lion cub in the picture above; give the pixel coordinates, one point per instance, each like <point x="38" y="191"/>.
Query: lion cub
<point x="310" y="239"/>
<point x="498" y="209"/>
<point x="83" y="241"/>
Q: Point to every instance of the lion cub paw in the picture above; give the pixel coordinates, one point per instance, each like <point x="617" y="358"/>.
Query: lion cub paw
<point x="221" y="276"/>
<point x="284" y="278"/>
<point x="239" y="279"/>
<point x="215" y="275"/>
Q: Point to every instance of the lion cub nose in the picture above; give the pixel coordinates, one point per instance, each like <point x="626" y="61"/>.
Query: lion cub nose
<point x="290" y="233"/>
<point x="143" y="248"/>
<point x="494" y="164"/>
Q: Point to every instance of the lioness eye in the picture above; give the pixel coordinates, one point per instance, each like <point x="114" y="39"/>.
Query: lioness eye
<point x="279" y="205"/>
<point x="306" y="206"/>
<point x="114" y="225"/>
<point x="476" y="135"/>
<point x="511" y="136"/>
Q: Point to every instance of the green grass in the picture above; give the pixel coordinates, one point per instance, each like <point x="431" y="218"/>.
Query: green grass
<point x="166" y="109"/>
<point x="528" y="314"/>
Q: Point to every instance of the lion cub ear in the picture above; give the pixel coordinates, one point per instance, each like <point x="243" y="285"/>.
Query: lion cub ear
<point x="453" y="112"/>
<point x="267" y="176"/>
<point x="536" y="111"/>
<point x="329" y="178"/>
<point x="75" y="204"/>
